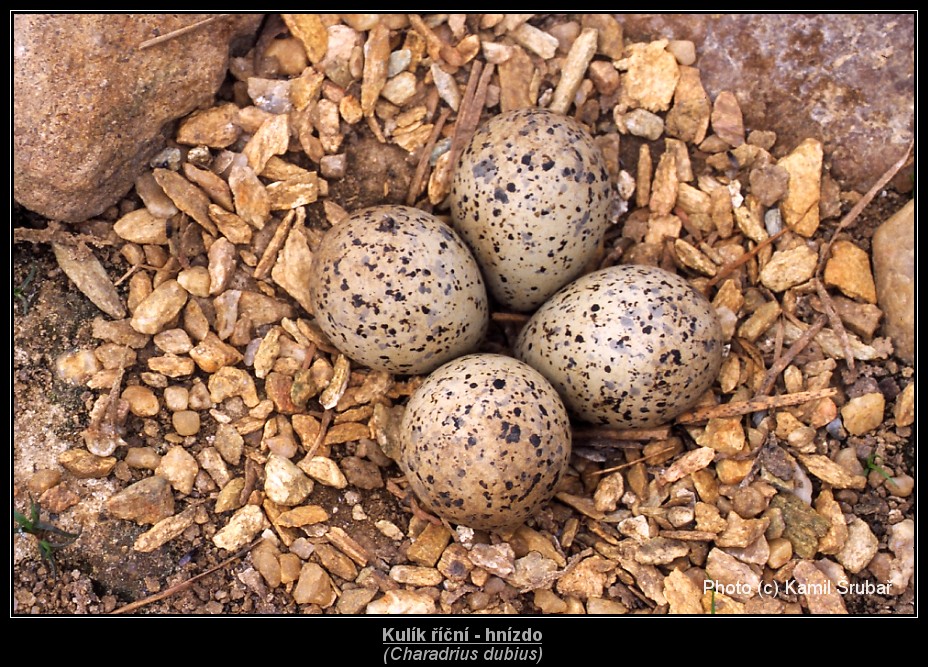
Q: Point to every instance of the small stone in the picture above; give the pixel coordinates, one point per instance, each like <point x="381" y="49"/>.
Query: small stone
<point x="823" y="597"/>
<point x="532" y="571"/>
<point x="402" y="602"/>
<point x="141" y="227"/>
<point x="147" y="501"/>
<point x="587" y="579"/>
<point x="535" y="40"/>
<point x="497" y="559"/>
<point x="660" y="551"/>
<point x="229" y="497"/>
<point x="186" y="422"/>
<point x="242" y="528"/>
<point x="119" y="332"/>
<point x="800" y="206"/>
<point x="58" y="498"/>
<point x="354" y="600"/>
<point x="605" y="77"/>
<point x="261" y="309"/>
<point x="741" y="532"/>
<point x="284" y="483"/>
<point x="760" y="321"/>
<point x="731" y="471"/>
<point x="229" y="443"/>
<point x="608" y="492"/>
<point x="179" y="468"/>
<point x="863" y="413"/>
<point x="833" y="541"/>
<point x="525" y="540"/>
<point x="689" y="463"/>
<point x="769" y="183"/>
<point x="788" y="268"/>
<point x="145" y="458"/>
<point x="250" y="196"/>
<point x="848" y="269"/>
<point x="749" y="501"/>
<point x="829" y="471"/>
<point x="229" y="382"/>
<point x="142" y="401"/>
<point x="688" y="119"/>
<point x="861" y="318"/>
<point x="859" y="548"/>
<point x="210" y="460"/>
<point x="159" y="308"/>
<point x="549" y="603"/>
<point x="84" y="465"/>
<point x="211" y="354"/>
<point x="311" y="32"/>
<point x="305" y="515"/>
<point x="515" y="77"/>
<point x="186" y="196"/>
<point x="727" y="121"/>
<point x="901" y="486"/>
<point x="176" y="398"/>
<point x="724" y="435"/>
<point x="173" y="341"/>
<point x="42" y="480"/>
<point x="737" y="579"/>
<point x="400" y="89"/>
<point x="325" y="471"/>
<point x="665" y="186"/>
<point x="83" y="268"/>
<point x="362" y="473"/>
<point x="902" y="544"/>
<point x="682" y="593"/>
<point x="164" y="531"/>
<point x="290" y="566"/>
<point x="645" y="124"/>
<point x="780" y="552"/>
<point x="389" y="530"/>
<point x="650" y="78"/>
<point x="213" y="127"/>
<point x="428" y="546"/>
<point x="804" y="526"/>
<point x="231" y="226"/>
<point x="77" y="367"/>
<point x="708" y="518"/>
<point x="266" y="561"/>
<point x="415" y="575"/>
<point x="683" y="50"/>
<point x="893" y="250"/>
<point x="289" y="271"/>
<point x="153" y="197"/>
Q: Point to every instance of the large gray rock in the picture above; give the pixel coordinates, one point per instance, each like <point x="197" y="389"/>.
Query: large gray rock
<point x="89" y="106"/>
<point x="894" y="272"/>
<point x="847" y="79"/>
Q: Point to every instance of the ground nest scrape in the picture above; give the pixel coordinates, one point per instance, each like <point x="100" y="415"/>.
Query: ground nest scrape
<point x="153" y="434"/>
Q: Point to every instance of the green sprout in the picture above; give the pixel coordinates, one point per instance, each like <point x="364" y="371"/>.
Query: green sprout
<point x="20" y="292"/>
<point x="44" y="533"/>
<point x="873" y="464"/>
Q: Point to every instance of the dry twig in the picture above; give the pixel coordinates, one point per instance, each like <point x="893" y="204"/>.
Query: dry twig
<point x="154" y="41"/>
<point x="184" y="585"/>
<point x="835" y="321"/>
<point x="729" y="268"/>
<point x="659" y="433"/>
<point x="771" y="377"/>
<point x="738" y="408"/>
<point x="418" y="178"/>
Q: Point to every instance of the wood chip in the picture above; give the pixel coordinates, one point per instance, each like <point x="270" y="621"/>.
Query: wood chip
<point x="574" y="69"/>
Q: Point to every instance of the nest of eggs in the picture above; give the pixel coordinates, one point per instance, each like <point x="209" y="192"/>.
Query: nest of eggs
<point x="294" y="337"/>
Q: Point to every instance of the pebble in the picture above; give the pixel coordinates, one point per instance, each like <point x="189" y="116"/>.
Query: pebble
<point x="284" y="483"/>
<point x="186" y="196"/>
<point x="159" y="308"/>
<point x="119" y="332"/>
<point x="229" y="443"/>
<point x="749" y="501"/>
<point x="416" y="575"/>
<point x="114" y="356"/>
<point x="77" y="367"/>
<point x="859" y="548"/>
<point x="399" y="89"/>
<point x="732" y="574"/>
<point x="824" y="597"/>
<point x="660" y="551"/>
<point x="214" y="127"/>
<point x="497" y="559"/>
<point x="147" y="501"/>
<point x="741" y="532"/>
<point x="800" y="205"/>
<point x="84" y="465"/>
<point x="861" y="318"/>
<point x="289" y="271"/>
<point x="727" y="121"/>
<point x="760" y="321"/>
<point x="176" y="398"/>
<point x="58" y="498"/>
<point x="769" y="183"/>
<point x="688" y="119"/>
<point x="788" y="268"/>
<point x="173" y="341"/>
<point x="549" y="603"/>
<point x="354" y="600"/>
<point x="389" y="529"/>
<point x="362" y="473"/>
<point x="211" y="461"/>
<point x="179" y="468"/>
<point x="803" y="525"/>
<point x="605" y="77"/>
<point x="730" y="471"/>
<point x="145" y="458"/>
<point x="142" y="227"/>
<point x="723" y="434"/>
<point x="863" y="413"/>
<point x="848" y="269"/>
<point x="532" y="571"/>
<point x="683" y="50"/>
<point x="229" y="382"/>
<point x="164" y="531"/>
<point x="608" y="492"/>
<point x="902" y="544"/>
<point x="682" y="593"/>
<point x="893" y="251"/>
<point x="142" y="401"/>
<point x="159" y="205"/>
<point x="901" y="486"/>
<point x="229" y="497"/>
<point x="250" y="196"/>
<point x="428" y="546"/>
<point x="242" y="528"/>
<point x="211" y="354"/>
<point x="651" y="75"/>
<point x="195" y="280"/>
<point x="402" y="602"/>
<point x="43" y="480"/>
<point x="588" y="579"/>
<point x="304" y="515"/>
<point x="709" y="519"/>
<point x="833" y="540"/>
<point x="689" y="463"/>
<point x="780" y="552"/>
<point x="265" y="557"/>
<point x="642" y="123"/>
<point x="186" y="422"/>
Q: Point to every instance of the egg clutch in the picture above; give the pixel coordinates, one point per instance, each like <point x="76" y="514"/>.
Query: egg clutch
<point x="486" y="438"/>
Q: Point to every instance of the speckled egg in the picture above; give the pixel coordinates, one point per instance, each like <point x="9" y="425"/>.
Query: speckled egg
<point x="397" y="290"/>
<point x="484" y="441"/>
<point x="532" y="197"/>
<point x="628" y="346"/>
